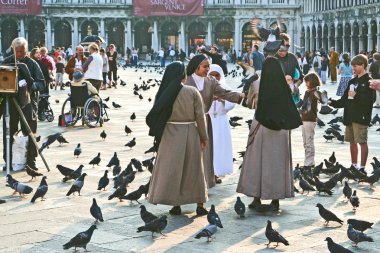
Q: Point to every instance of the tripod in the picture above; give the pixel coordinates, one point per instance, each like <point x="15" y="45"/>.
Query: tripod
<point x="8" y="135"/>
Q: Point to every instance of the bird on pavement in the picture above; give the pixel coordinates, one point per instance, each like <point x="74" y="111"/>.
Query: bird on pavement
<point x="73" y="175"/>
<point x="41" y="190"/>
<point x="328" y="215"/>
<point x="213" y="217"/>
<point x="95" y="161"/>
<point x="21" y="188"/>
<point x="31" y="172"/>
<point x="135" y="195"/>
<point x="127" y="130"/>
<point x="360" y="225"/>
<point x="119" y="192"/>
<point x="137" y="164"/>
<point x="96" y="212"/>
<point x="77" y="185"/>
<point x="80" y="240"/>
<point x="273" y="236"/>
<point x="305" y="186"/>
<point x="131" y="143"/>
<point x="49" y="140"/>
<point x="239" y="207"/>
<point x="146" y="216"/>
<point x="116" y="170"/>
<point x="328" y="137"/>
<point x="357" y="236"/>
<point x="107" y="99"/>
<point x="336" y="248"/>
<point x="354" y="200"/>
<point x="115" y="105"/>
<point x="208" y="232"/>
<point x="133" y="116"/>
<point x="77" y="150"/>
<point x="114" y="160"/>
<point x="332" y="158"/>
<point x="347" y="191"/>
<point x="103" y="181"/>
<point x="155" y="226"/>
<point x="61" y="139"/>
<point x="103" y="135"/>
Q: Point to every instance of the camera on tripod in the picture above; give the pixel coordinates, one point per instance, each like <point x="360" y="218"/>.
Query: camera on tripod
<point x="8" y="79"/>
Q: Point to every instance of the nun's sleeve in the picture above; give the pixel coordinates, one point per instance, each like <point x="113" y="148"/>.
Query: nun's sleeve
<point x="228" y="95"/>
<point x="200" y="116"/>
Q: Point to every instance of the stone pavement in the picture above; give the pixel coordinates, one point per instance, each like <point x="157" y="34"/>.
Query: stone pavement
<point x="46" y="226"/>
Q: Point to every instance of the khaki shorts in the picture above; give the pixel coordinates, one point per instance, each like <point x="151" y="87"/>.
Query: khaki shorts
<point x="356" y="133"/>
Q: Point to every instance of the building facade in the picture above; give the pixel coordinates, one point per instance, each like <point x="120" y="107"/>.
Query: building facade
<point x="346" y="24"/>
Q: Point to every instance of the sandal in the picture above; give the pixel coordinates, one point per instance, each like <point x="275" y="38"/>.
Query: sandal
<point x="201" y="211"/>
<point x="255" y="204"/>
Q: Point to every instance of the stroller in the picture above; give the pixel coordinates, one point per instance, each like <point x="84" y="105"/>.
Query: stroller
<point x="44" y="110"/>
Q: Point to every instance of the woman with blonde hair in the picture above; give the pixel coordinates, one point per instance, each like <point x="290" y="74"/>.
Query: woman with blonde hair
<point x="93" y="67"/>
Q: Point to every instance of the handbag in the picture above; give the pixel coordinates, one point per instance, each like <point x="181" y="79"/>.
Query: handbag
<point x="19" y="151"/>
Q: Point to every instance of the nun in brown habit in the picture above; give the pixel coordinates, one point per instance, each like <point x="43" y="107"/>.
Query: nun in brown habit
<point x="209" y="88"/>
<point x="178" y="124"/>
<point x="267" y="167"/>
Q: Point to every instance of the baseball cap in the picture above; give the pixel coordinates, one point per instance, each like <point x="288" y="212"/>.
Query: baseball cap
<point x="77" y="76"/>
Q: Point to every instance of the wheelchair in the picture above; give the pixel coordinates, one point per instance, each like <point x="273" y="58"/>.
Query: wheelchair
<point x="44" y="109"/>
<point x="80" y="106"/>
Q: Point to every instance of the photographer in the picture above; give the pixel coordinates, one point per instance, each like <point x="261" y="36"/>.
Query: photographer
<point x="30" y="81"/>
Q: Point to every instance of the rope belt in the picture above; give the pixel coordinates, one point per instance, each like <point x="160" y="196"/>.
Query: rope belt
<point x="180" y="123"/>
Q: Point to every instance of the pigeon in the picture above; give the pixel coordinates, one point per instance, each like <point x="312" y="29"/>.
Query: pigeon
<point x="273" y="236"/>
<point x="146" y="188"/>
<point x="77" y="150"/>
<point x="41" y="190"/>
<point x="328" y="164"/>
<point x="239" y="207"/>
<point x="336" y="248"/>
<point x="328" y="137"/>
<point x="141" y="97"/>
<point x="213" y="217"/>
<point x="114" y="161"/>
<point x="234" y="124"/>
<point x="305" y="186"/>
<point x="21" y="188"/>
<point x="135" y="195"/>
<point x="376" y="161"/>
<point x="127" y="130"/>
<point x="146" y="216"/>
<point x="148" y="162"/>
<point x="74" y="175"/>
<point x="328" y="215"/>
<point x="360" y="225"/>
<point x="149" y="100"/>
<point x="61" y="139"/>
<point x="120" y="192"/>
<point x="357" y="236"/>
<point x="137" y="164"/>
<point x="375" y="119"/>
<point x="332" y="158"/>
<point x="103" y="181"/>
<point x="116" y="170"/>
<point x="155" y="226"/>
<point x="115" y="105"/>
<point x="347" y="191"/>
<point x="49" y="140"/>
<point x="80" y="240"/>
<point x="322" y="187"/>
<point x="153" y="149"/>
<point x="331" y="170"/>
<point x="131" y="143"/>
<point x="320" y="123"/>
<point x="354" y="200"/>
<point x="208" y="232"/>
<point x="77" y="185"/>
<point x="31" y="172"/>
<point x="334" y="112"/>
<point x="133" y="116"/>
<point x="103" y="135"/>
<point x="95" y="161"/>
<point x="38" y="138"/>
<point x="235" y="118"/>
<point x="57" y="101"/>
<point x="130" y="177"/>
<point x="371" y="179"/>
<point x="95" y="211"/>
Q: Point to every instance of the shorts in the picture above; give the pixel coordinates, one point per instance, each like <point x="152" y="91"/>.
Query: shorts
<point x="356" y="133"/>
<point x="59" y="77"/>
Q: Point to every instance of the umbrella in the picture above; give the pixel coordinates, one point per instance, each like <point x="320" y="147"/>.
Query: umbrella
<point x="92" y="38"/>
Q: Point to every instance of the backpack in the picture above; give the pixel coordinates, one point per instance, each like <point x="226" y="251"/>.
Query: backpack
<point x="315" y="63"/>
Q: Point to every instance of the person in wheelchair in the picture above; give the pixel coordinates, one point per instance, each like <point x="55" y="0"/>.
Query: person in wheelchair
<point x="78" y="81"/>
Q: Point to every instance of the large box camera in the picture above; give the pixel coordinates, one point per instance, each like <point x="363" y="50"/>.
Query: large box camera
<point x="8" y="79"/>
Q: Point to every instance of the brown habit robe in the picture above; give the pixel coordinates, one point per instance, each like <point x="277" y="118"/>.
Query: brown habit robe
<point x="211" y="88"/>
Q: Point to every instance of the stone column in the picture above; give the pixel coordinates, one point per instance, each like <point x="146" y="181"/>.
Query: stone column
<point x="307" y="40"/>
<point x="291" y="34"/>
<point x="317" y="46"/>
<point x="237" y="35"/>
<point x="22" y="28"/>
<point x="369" y="36"/>
<point x="75" y="37"/>
<point x="209" y="33"/>
<point x="361" y="42"/>
<point x="344" y="49"/>
<point x="312" y="40"/>
<point x="378" y="33"/>
<point x="125" y="39"/>
<point x="53" y="39"/>
<point x="102" y="30"/>
<point x="182" y="36"/>
<point x="155" y="42"/>
<point x="48" y="33"/>
<point x="129" y="34"/>
<point x="352" y="42"/>
<point x="336" y="25"/>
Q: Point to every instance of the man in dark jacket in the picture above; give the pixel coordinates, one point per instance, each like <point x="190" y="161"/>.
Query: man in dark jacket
<point x="30" y="80"/>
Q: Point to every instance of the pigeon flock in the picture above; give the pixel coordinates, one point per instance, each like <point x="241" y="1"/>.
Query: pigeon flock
<point x="328" y="178"/>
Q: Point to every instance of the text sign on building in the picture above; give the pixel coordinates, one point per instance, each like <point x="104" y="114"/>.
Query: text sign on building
<point x="167" y="7"/>
<point x="21" y="7"/>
